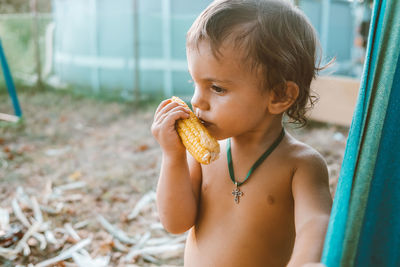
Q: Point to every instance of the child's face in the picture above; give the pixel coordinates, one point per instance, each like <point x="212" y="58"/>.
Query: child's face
<point x="227" y="95"/>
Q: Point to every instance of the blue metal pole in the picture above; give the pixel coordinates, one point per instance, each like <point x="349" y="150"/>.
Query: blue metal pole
<point x="9" y="82"/>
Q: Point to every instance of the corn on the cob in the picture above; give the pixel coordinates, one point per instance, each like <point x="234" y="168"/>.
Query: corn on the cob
<point x="195" y="137"/>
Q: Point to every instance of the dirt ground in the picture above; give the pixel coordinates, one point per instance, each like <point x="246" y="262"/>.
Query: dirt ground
<point x="107" y="145"/>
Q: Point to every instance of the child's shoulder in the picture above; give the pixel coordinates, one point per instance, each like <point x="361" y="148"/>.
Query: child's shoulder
<point x="304" y="157"/>
<point x="309" y="181"/>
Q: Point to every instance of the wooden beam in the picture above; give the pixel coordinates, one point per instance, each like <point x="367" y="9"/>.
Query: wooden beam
<point x="9" y="118"/>
<point x="337" y="99"/>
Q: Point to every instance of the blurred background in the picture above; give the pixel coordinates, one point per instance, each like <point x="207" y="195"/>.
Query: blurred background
<point x="88" y="76"/>
<point x="136" y="48"/>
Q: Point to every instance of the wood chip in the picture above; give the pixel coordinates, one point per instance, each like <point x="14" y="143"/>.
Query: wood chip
<point x="22" y="244"/>
<point x="33" y="213"/>
<point x="36" y="210"/>
<point x="66" y="254"/>
<point x="42" y="240"/>
<point x="142" y="241"/>
<point x="70" y="186"/>
<point x="146" y="199"/>
<point x="167" y="240"/>
<point x="4" y="220"/>
<point x="84" y="260"/>
<point x="8" y="117"/>
<point x="72" y="232"/>
<point x="115" y="232"/>
<point x="19" y="214"/>
<point x="23" y="198"/>
<point x="50" y="237"/>
<point x="154" y="250"/>
<point x="81" y="224"/>
<point x="119" y="246"/>
<point x="10" y="236"/>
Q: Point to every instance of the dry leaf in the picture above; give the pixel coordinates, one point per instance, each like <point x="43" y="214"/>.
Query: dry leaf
<point x="71" y="240"/>
<point x="75" y="175"/>
<point x="12" y="236"/>
<point x="142" y="148"/>
<point x="59" y="264"/>
<point x="106" y="247"/>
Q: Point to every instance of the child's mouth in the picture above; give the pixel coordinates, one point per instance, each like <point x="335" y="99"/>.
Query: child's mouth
<point x="205" y="123"/>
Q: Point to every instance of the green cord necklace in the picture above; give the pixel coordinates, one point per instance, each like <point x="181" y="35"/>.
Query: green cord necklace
<point x="236" y="192"/>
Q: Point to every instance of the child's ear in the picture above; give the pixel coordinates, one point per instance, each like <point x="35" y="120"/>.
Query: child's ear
<point x="279" y="104"/>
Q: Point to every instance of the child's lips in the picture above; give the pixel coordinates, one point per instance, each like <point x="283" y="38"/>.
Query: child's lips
<point x="202" y="121"/>
<point x="205" y="123"/>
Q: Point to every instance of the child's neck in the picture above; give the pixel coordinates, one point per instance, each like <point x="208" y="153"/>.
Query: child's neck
<point x="261" y="137"/>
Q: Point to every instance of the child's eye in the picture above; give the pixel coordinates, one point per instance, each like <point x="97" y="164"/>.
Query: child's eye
<point x="218" y="89"/>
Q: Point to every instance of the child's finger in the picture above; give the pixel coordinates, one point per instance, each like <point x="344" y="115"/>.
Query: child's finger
<point x="160" y="107"/>
<point x="170" y="107"/>
<point x="178" y="112"/>
<point x="165" y="126"/>
<point x="165" y="109"/>
<point x="162" y="104"/>
<point x="175" y="115"/>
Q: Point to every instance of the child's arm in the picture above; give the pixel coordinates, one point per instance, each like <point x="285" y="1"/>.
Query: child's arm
<point x="312" y="201"/>
<point x="179" y="182"/>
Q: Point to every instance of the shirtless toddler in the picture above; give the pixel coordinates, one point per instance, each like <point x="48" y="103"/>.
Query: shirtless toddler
<point x="252" y="62"/>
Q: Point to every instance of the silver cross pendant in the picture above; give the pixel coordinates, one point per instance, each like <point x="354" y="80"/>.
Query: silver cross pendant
<point x="237" y="193"/>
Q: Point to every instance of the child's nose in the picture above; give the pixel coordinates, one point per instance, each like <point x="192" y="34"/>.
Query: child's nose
<point x="198" y="101"/>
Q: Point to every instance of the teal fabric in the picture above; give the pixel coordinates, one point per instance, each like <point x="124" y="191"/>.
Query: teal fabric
<point x="381" y="91"/>
<point x="373" y="128"/>
<point x="379" y="242"/>
<point x="333" y="247"/>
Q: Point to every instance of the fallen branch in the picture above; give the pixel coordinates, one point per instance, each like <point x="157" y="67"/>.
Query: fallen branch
<point x="167" y="240"/>
<point x="66" y="254"/>
<point x="19" y="214"/>
<point x="4" y="220"/>
<point x="22" y="244"/>
<point x="84" y="260"/>
<point x="72" y="232"/>
<point x="153" y="250"/>
<point x="142" y="241"/>
<point x="115" y="232"/>
<point x="147" y="198"/>
<point x="50" y="237"/>
<point x="8" y="117"/>
<point x="36" y="210"/>
<point x="42" y="240"/>
<point x="70" y="186"/>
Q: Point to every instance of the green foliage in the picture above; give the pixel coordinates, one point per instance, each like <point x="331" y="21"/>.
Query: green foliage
<point x="17" y="41"/>
<point x="13" y="126"/>
<point x="23" y="6"/>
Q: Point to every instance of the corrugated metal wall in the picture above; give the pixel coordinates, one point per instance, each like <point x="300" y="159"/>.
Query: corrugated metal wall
<point x="94" y="44"/>
<point x="94" y="41"/>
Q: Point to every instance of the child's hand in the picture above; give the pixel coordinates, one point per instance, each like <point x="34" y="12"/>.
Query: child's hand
<point x="163" y="128"/>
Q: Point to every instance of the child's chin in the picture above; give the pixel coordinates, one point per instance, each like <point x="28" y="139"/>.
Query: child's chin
<point x="213" y="132"/>
<point x="217" y="134"/>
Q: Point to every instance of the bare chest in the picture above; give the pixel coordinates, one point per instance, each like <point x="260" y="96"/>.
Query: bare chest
<point x="257" y="227"/>
<point x="266" y="190"/>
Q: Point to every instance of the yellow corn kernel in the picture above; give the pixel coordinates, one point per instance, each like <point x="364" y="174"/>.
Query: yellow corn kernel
<point x="195" y="137"/>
